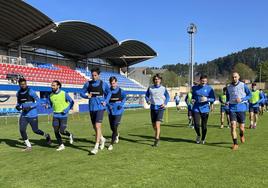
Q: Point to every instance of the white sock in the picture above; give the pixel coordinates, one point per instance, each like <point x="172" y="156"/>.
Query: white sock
<point x="28" y="144"/>
<point x="255" y="124"/>
<point x="97" y="145"/>
<point x="102" y="138"/>
<point x="251" y="122"/>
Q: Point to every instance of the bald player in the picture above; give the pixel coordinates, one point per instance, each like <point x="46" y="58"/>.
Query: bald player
<point x="237" y="96"/>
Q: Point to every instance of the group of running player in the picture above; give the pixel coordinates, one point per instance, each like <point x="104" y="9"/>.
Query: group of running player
<point x="101" y="97"/>
<point x="235" y="100"/>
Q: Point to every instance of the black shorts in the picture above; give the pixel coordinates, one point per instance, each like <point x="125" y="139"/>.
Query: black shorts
<point x="62" y="122"/>
<point x="254" y="109"/>
<point x="114" y="120"/>
<point x="157" y="115"/>
<point x="96" y="116"/>
<point x="239" y="117"/>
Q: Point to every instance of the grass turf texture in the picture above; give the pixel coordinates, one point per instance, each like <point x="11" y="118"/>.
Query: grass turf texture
<point x="178" y="162"/>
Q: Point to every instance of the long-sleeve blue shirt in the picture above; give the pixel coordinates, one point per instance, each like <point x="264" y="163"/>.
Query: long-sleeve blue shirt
<point x="95" y="103"/>
<point x="205" y="91"/>
<point x="243" y="105"/>
<point x="149" y="96"/>
<point x="66" y="111"/>
<point x="32" y="113"/>
<point x="117" y="108"/>
<point x="263" y="97"/>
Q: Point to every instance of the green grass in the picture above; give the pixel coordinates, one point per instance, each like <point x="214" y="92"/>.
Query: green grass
<point x="178" y="162"/>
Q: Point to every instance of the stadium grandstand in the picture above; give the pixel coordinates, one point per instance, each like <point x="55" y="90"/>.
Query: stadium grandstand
<point x="35" y="47"/>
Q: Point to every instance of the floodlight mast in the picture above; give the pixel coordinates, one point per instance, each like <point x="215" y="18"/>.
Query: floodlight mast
<point x="191" y="30"/>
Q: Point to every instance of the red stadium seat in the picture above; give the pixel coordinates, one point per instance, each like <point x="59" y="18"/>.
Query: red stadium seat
<point x="64" y="74"/>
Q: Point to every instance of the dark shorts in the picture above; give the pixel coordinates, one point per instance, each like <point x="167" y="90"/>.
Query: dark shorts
<point x="225" y="110"/>
<point x="115" y="120"/>
<point x="157" y="115"/>
<point x="239" y="117"/>
<point x="262" y="104"/>
<point x="254" y="109"/>
<point x="62" y="122"/>
<point x="24" y="121"/>
<point x="96" y="116"/>
<point x="177" y="103"/>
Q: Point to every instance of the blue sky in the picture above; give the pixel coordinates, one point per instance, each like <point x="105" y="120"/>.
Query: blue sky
<point x="224" y="26"/>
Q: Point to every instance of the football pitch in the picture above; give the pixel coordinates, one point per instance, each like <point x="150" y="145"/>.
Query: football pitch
<point x="177" y="162"/>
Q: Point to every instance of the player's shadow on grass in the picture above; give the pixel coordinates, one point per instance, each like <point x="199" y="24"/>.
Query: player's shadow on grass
<point x="168" y="139"/>
<point x="12" y="143"/>
<point x="43" y="143"/>
<point x="76" y="145"/>
<point x="144" y="142"/>
<point x="20" y="144"/>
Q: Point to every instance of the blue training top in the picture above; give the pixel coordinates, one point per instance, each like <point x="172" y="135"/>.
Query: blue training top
<point x="117" y="108"/>
<point x="95" y="103"/>
<point x="205" y="91"/>
<point x="157" y="95"/>
<point x="238" y="90"/>
<point x="177" y="99"/>
<point x="32" y="112"/>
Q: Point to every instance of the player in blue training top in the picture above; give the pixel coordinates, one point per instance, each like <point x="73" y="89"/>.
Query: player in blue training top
<point x="203" y="95"/>
<point x="177" y="101"/>
<point x="237" y="96"/>
<point x="224" y="108"/>
<point x="254" y="105"/>
<point x="266" y="102"/>
<point x="115" y="109"/>
<point x="262" y="103"/>
<point x="61" y="103"/>
<point x="188" y="101"/>
<point x="27" y="102"/>
<point x="158" y="97"/>
<point x="98" y="94"/>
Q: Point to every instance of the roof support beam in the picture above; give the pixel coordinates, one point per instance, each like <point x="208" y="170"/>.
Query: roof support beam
<point x="102" y="50"/>
<point x="129" y="57"/>
<point x="33" y="36"/>
<point x="61" y="51"/>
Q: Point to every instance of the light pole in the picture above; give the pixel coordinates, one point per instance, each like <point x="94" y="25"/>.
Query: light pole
<point x="260" y="73"/>
<point x="191" y="30"/>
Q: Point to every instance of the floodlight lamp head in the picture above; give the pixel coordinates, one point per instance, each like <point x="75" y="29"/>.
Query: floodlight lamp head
<point x="192" y="29"/>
